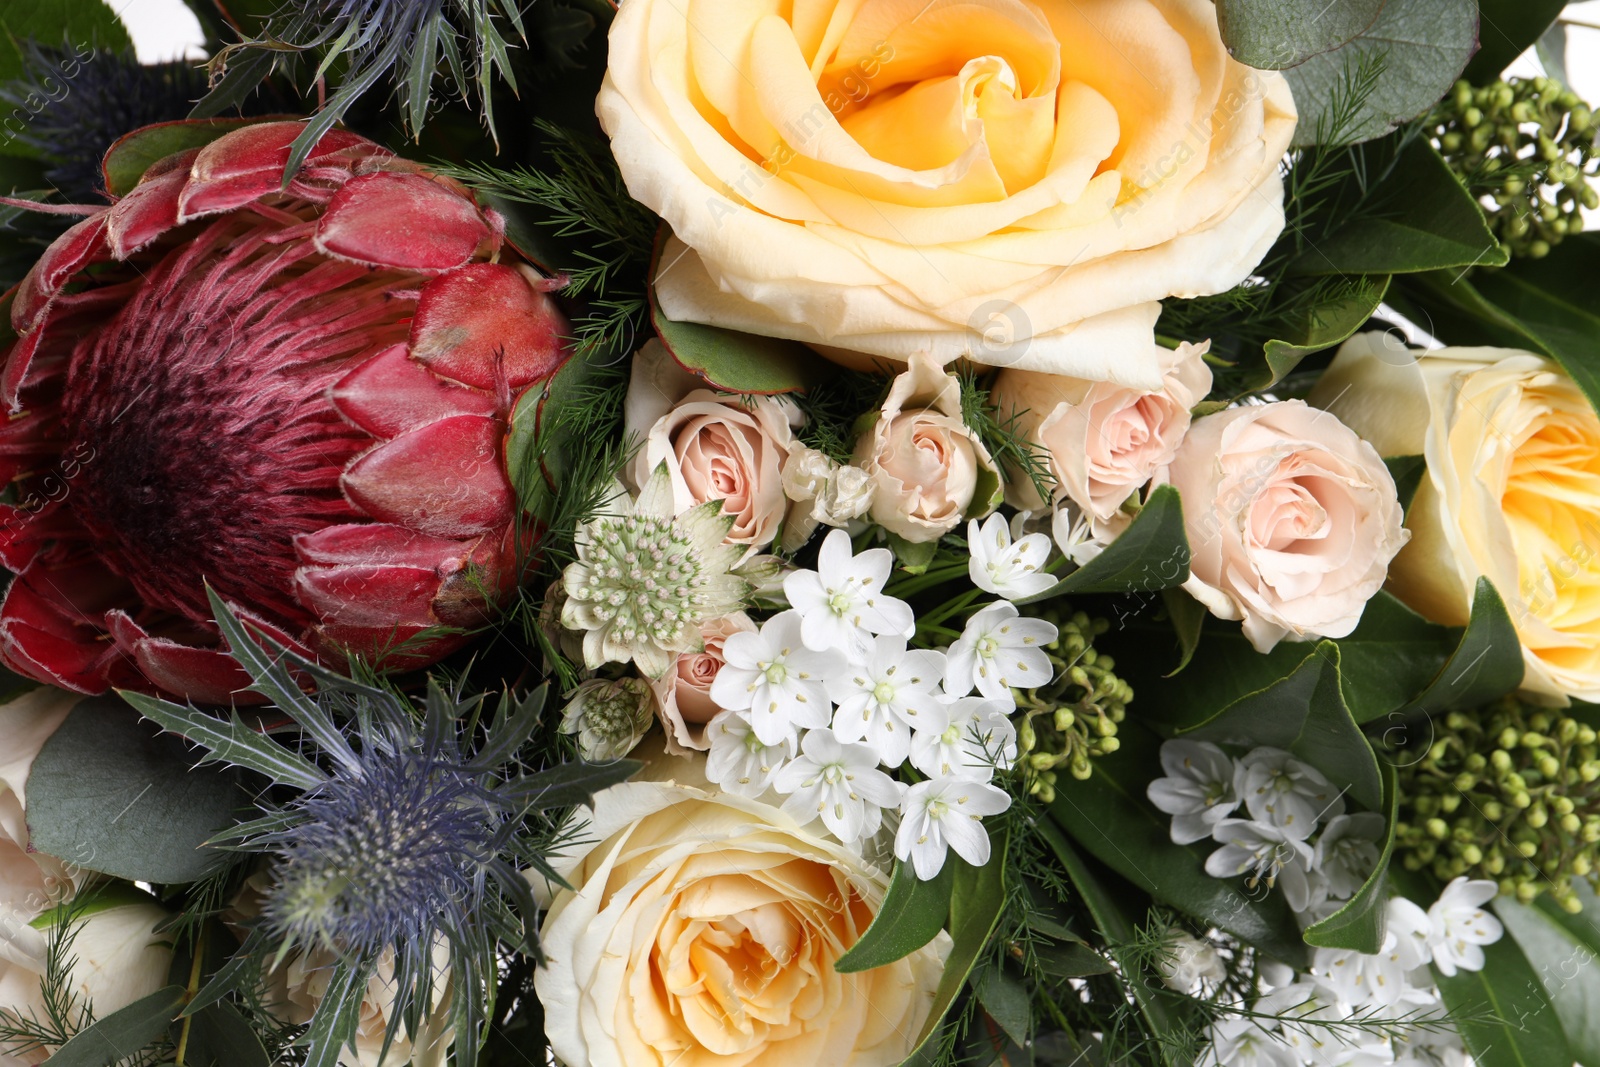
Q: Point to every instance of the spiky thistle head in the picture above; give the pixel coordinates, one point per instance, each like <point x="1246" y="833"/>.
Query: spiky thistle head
<point x="380" y="856"/>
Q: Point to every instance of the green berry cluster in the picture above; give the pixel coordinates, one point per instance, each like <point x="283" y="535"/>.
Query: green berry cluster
<point x="1075" y="717"/>
<point x="1526" y="148"/>
<point x="1510" y="793"/>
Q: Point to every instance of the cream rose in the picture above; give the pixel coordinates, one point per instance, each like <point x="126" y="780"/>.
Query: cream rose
<point x="1101" y="441"/>
<point x="1292" y="520"/>
<point x="683" y="694"/>
<point x="716" y="446"/>
<point x="824" y="493"/>
<point x="1512" y="491"/>
<point x="1017" y="182"/>
<point x="930" y="472"/>
<point x="703" y="929"/>
<point x="30" y="881"/>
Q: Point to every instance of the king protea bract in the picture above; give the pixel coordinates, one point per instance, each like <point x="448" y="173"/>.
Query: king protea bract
<point x="297" y="395"/>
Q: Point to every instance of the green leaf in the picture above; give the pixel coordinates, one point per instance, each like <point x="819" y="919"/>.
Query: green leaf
<point x="1563" y="949"/>
<point x="977" y="900"/>
<point x="541" y="448"/>
<point x="1359" y="924"/>
<point x="1424" y="44"/>
<point x="1320" y="326"/>
<point x="1407" y="473"/>
<point x="1305" y="714"/>
<point x="740" y="362"/>
<point x="122" y="1033"/>
<point x="567" y="784"/>
<point x="912" y="556"/>
<point x="1506" y="29"/>
<point x="1150" y="555"/>
<point x="1274" y="34"/>
<point x="1486" y="664"/>
<point x="912" y="914"/>
<point x="1419" y="218"/>
<point x="1503" y="1013"/>
<point x="230" y="741"/>
<point x="133" y="153"/>
<point x="1111" y="817"/>
<point x="83" y="24"/>
<point x="220" y="1037"/>
<point x="1188" y="617"/>
<point x="1071" y="960"/>
<point x="1007" y="1000"/>
<point x="111" y="793"/>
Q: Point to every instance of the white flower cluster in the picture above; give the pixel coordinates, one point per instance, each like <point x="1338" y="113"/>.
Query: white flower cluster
<point x="1330" y="1015"/>
<point x="825" y="697"/>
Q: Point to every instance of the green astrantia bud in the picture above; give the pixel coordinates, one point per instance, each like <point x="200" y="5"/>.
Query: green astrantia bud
<point x="1505" y="794"/>
<point x="1074" y="718"/>
<point x="1526" y="149"/>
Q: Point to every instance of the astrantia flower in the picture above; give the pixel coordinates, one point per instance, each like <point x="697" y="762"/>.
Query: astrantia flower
<point x="298" y="396"/>
<point x="1462" y="927"/>
<point x="999" y="651"/>
<point x="970" y="737"/>
<point x="946" y="813"/>
<point x="776" y="679"/>
<point x="1197" y="791"/>
<point x="842" y="602"/>
<point x="1286" y="792"/>
<point x="608" y="716"/>
<point x="739" y="761"/>
<point x="885" y="695"/>
<point x="839" y="783"/>
<point x="646" y="578"/>
<point x="1007" y="569"/>
<point x="1262" y="853"/>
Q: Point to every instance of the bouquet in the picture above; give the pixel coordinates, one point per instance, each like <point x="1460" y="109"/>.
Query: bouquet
<point x="682" y="534"/>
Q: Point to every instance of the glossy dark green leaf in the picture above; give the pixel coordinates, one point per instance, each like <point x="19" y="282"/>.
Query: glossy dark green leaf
<point x="1359" y="924"/>
<point x="912" y="914"/>
<point x="1486" y="664"/>
<point x="1319" y="327"/>
<point x="1007" y="1000"/>
<point x="220" y="1037"/>
<point x="133" y="153"/>
<point x="1407" y="472"/>
<point x="80" y="24"/>
<point x="1109" y="815"/>
<point x="1420" y="217"/>
<point x="1506" y="29"/>
<point x="1071" y="960"/>
<point x="119" y="1035"/>
<point x="1565" y="952"/>
<point x="1503" y="1013"/>
<point x="111" y="793"/>
<point x="1152" y="554"/>
<point x="977" y="899"/>
<point x="1305" y="714"/>
<point x="1274" y="34"/>
<point x="1188" y="617"/>
<point x="542" y="446"/>
<point x="1422" y="45"/>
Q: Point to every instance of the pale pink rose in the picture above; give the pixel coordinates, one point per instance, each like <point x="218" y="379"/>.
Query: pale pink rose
<point x="1101" y="441"/>
<point x="1292" y="520"/>
<point x="930" y="472"/>
<point x="717" y="446"/>
<point x="683" y="694"/>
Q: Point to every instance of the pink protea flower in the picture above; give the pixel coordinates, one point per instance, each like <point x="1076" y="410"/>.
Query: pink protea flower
<point x="299" y="397"/>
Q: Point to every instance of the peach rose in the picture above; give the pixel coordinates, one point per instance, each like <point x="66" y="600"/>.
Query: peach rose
<point x="1512" y="491"/>
<point x="683" y="694"/>
<point x="703" y="928"/>
<point x="1013" y="181"/>
<point x="1292" y="520"/>
<point x="930" y="471"/>
<point x="717" y="446"/>
<point x="1102" y="441"/>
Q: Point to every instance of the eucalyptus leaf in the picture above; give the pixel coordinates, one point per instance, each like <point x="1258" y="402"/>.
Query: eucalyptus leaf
<point x="1274" y="34"/>
<point x="124" y="1032"/>
<point x="1359" y="923"/>
<point x="1109" y="815"/>
<point x="1423" y="46"/>
<point x="1486" y="664"/>
<point x="1305" y="714"/>
<point x="110" y="793"/>
<point x="1150" y="555"/>
<point x="912" y="914"/>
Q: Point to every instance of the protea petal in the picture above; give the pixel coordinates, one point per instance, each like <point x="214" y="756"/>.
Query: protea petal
<point x="485" y="324"/>
<point x="392" y="393"/>
<point x="147" y="212"/>
<point x="402" y="220"/>
<point x="243" y="166"/>
<point x="444" y="478"/>
<point x="71" y="252"/>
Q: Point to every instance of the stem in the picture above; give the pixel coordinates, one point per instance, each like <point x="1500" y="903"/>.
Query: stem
<point x="926" y="580"/>
<point x="192" y="990"/>
<point x="955" y="606"/>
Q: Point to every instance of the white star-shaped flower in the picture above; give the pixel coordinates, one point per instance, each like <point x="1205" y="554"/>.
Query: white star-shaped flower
<point x="885" y="695"/>
<point x="838" y="782"/>
<point x="997" y="651"/>
<point x="1286" y="792"/>
<point x="842" y="601"/>
<point x="1265" y="852"/>
<point x="741" y="762"/>
<point x="999" y="566"/>
<point x="970" y="737"/>
<point x="945" y="813"/>
<point x="777" y="679"/>
<point x="1197" y="791"/>
<point x="1461" y="927"/>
